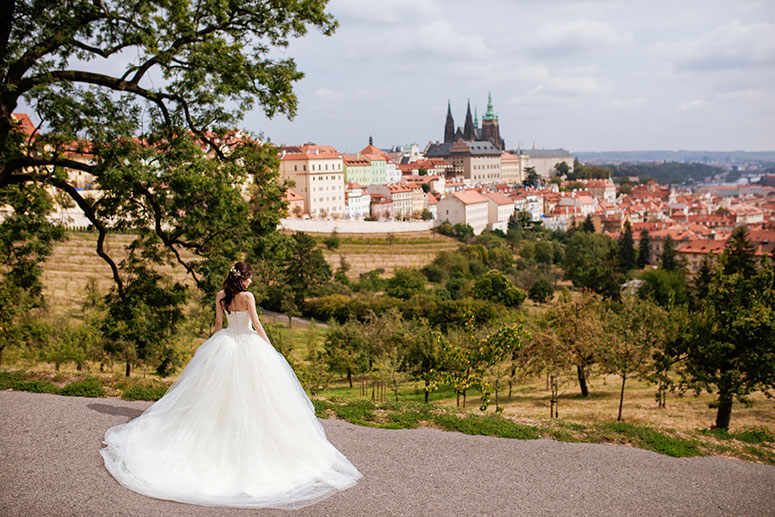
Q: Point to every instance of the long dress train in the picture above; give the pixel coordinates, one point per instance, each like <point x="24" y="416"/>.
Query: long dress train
<point x="235" y="429"/>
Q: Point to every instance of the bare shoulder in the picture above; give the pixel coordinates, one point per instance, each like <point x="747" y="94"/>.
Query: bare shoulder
<point x="244" y="295"/>
<point x="221" y="294"/>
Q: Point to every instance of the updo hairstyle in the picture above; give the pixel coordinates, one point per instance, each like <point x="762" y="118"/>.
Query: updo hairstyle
<point x="233" y="283"/>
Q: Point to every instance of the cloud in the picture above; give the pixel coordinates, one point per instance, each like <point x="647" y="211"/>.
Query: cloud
<point x="730" y="46"/>
<point x="575" y="37"/>
<point x="385" y="11"/>
<point x="576" y="85"/>
<point x="329" y="95"/>
<point x="692" y="105"/>
<point x="436" y="39"/>
<point x="629" y="102"/>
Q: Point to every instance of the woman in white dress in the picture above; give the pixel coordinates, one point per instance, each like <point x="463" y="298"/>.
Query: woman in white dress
<point x="235" y="429"/>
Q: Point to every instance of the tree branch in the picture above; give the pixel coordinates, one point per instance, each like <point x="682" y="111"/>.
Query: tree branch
<point x="86" y="208"/>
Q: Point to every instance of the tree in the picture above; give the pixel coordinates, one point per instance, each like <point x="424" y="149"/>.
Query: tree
<point x="494" y="286"/>
<point x="728" y="348"/>
<point x="586" y="259"/>
<point x="532" y="179"/>
<point x="627" y="258"/>
<point x="740" y="254"/>
<point x="576" y="333"/>
<point x="542" y="290"/>
<point x="162" y="151"/>
<point x="644" y="253"/>
<point x="346" y="349"/>
<point x="634" y="331"/>
<point x="306" y="267"/>
<point x="588" y="226"/>
<point x="562" y="168"/>
<point x="405" y="283"/>
<point x="669" y="259"/>
<point x="666" y="288"/>
<point x="333" y="241"/>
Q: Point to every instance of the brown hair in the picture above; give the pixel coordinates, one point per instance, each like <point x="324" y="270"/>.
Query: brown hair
<point x="233" y="283"/>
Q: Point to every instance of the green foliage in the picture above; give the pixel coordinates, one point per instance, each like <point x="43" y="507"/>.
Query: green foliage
<point x="163" y="154"/>
<point x="650" y="439"/>
<point x="669" y="261"/>
<point x="542" y="290"/>
<point x="494" y="286"/>
<point x="141" y="322"/>
<point x="643" y="249"/>
<point x="88" y="387"/>
<point x="586" y="257"/>
<point x="446" y="228"/>
<point x="463" y="232"/>
<point x="666" y="173"/>
<point x="333" y="241"/>
<point x="306" y="268"/>
<point x="35" y="386"/>
<point x="490" y="425"/>
<point x="728" y="347"/>
<point x="666" y="288"/>
<point x="346" y="349"/>
<point x="405" y="283"/>
<point x="142" y="391"/>
<point x="532" y="179"/>
<point x="627" y="255"/>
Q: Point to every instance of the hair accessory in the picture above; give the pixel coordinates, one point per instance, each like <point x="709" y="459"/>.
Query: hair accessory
<point x="234" y="271"/>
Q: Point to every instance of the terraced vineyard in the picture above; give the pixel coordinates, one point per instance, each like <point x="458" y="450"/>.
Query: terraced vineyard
<point x="74" y="262"/>
<point x="365" y="254"/>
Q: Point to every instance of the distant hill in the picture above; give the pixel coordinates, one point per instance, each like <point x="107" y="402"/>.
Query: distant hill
<point x="667" y="173"/>
<point x="715" y="157"/>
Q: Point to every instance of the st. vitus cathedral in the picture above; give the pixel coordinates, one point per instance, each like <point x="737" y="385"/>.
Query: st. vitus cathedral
<point x="471" y="131"/>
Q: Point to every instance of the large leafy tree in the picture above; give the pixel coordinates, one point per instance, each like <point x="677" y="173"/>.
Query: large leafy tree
<point x="728" y="348"/>
<point x="143" y="96"/>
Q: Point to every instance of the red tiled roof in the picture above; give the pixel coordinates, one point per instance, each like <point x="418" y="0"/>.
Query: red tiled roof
<point x="469" y="197"/>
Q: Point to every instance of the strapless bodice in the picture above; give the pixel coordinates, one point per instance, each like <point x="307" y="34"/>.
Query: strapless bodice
<point x="239" y="321"/>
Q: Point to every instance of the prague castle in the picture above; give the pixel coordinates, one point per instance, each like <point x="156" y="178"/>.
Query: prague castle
<point x="471" y="131"/>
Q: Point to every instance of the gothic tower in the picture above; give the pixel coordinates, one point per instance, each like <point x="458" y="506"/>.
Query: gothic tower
<point x="449" y="127"/>
<point x="469" y="133"/>
<point x="490" y="129"/>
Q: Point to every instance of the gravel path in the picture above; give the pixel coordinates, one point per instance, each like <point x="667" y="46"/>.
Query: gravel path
<point x="51" y="467"/>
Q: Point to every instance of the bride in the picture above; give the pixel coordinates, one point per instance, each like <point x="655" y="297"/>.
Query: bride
<point x="235" y="429"/>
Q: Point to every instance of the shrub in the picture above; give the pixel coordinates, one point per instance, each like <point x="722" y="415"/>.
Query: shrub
<point x="88" y="387"/>
<point x="144" y="392"/>
<point x="35" y="386"/>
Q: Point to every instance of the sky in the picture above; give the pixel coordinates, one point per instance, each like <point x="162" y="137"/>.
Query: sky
<point x="597" y="75"/>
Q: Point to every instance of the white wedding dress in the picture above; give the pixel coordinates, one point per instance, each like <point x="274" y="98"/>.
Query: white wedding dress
<point x="235" y="429"/>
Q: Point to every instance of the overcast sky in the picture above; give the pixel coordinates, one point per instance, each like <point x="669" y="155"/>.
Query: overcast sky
<point x="583" y="75"/>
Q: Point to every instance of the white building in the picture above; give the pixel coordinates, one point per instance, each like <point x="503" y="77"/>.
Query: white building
<point x="464" y="207"/>
<point x="318" y="171"/>
<point x="545" y="160"/>
<point x="357" y="201"/>
<point x="499" y="210"/>
<point x="400" y="194"/>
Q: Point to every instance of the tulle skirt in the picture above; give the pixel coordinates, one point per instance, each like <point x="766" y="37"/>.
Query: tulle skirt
<point x="235" y="429"/>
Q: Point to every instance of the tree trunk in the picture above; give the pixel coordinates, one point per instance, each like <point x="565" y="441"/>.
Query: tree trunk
<point x="621" y="398"/>
<point x="290" y="318"/>
<point x="582" y="381"/>
<point x="458" y="398"/>
<point x="350" y="377"/>
<point x="724" y="410"/>
<point x="427" y="384"/>
<point x="372" y="390"/>
<point x="79" y="366"/>
<point x="464" y="398"/>
<point x="128" y="368"/>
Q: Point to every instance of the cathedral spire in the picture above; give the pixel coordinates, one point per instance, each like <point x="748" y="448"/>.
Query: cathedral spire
<point x="468" y="130"/>
<point x="449" y="127"/>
